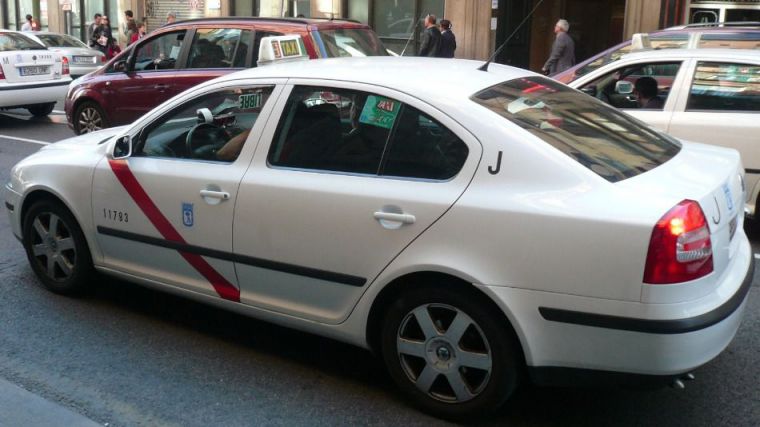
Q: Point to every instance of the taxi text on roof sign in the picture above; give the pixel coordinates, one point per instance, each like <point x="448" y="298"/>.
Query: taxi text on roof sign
<point x="281" y="48"/>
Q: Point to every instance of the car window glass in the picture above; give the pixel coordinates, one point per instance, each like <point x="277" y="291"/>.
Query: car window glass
<point x="738" y="40"/>
<point x="607" y="141"/>
<point x="257" y="43"/>
<point x="656" y="41"/>
<point x="350" y="42"/>
<point x="211" y="127"/>
<point x="13" y="41"/>
<point x="725" y="87"/>
<point x="420" y="147"/>
<point x="219" y="48"/>
<point x="159" y="53"/>
<point x="644" y="76"/>
<point x="334" y="130"/>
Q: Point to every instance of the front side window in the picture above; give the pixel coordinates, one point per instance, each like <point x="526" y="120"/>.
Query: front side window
<point x="341" y="130"/>
<point x="212" y="127"/>
<point x="219" y="48"/>
<point x="725" y="87"/>
<point x="657" y="41"/>
<point x="610" y="143"/>
<point x="648" y="85"/>
<point x="159" y="53"/>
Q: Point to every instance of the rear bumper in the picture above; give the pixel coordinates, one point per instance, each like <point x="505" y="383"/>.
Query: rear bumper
<point x="648" y="339"/>
<point x="22" y="95"/>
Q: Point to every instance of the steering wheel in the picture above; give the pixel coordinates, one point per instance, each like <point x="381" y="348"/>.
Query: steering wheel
<point x="204" y="139"/>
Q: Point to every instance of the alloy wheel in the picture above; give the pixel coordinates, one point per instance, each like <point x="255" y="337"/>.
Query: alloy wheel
<point x="53" y="246"/>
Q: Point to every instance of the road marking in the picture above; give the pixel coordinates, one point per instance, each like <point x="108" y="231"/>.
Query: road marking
<point x="33" y="141"/>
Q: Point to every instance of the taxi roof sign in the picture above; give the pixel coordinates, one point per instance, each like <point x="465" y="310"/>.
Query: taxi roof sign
<point x="640" y="41"/>
<point x="281" y="49"/>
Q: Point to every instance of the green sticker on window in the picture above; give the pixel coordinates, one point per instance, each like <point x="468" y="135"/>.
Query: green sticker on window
<point x="250" y="101"/>
<point x="379" y="111"/>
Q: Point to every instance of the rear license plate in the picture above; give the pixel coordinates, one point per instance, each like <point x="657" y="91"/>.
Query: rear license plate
<point x="84" y="59"/>
<point x="34" y="71"/>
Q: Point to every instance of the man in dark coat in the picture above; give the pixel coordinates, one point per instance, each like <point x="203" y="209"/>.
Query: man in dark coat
<point x="431" y="38"/>
<point x="448" y="40"/>
<point x="563" y="50"/>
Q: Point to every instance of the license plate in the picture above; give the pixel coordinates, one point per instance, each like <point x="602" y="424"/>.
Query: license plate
<point x="34" y="71"/>
<point x="84" y="59"/>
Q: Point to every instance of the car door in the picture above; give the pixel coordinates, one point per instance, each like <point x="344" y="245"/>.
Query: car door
<point x="348" y="177"/>
<point x="165" y="213"/>
<point x="150" y="78"/>
<point x="720" y="105"/>
<point x="667" y="75"/>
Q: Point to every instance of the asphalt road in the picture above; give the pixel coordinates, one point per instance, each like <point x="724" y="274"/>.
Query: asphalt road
<point x="124" y="355"/>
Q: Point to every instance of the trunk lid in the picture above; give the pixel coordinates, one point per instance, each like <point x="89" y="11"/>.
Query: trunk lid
<point x="28" y="66"/>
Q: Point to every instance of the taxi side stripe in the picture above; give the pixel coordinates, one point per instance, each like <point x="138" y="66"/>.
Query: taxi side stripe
<point x="224" y="288"/>
<point x="329" y="276"/>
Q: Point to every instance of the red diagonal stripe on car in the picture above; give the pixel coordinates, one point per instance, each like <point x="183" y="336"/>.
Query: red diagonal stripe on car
<point x="224" y="288"/>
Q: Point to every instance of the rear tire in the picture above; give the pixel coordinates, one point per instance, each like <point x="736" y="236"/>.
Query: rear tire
<point x="56" y="248"/>
<point x="450" y="352"/>
<point x="41" y="110"/>
<point x="89" y="117"/>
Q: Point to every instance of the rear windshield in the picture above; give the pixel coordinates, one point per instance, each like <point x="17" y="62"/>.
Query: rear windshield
<point x="349" y="42"/>
<point x="13" y="41"/>
<point x="613" y="145"/>
<point x="56" y="40"/>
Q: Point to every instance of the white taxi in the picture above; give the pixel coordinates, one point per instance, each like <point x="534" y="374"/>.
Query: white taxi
<point x="704" y="95"/>
<point x="468" y="226"/>
<point x="31" y="76"/>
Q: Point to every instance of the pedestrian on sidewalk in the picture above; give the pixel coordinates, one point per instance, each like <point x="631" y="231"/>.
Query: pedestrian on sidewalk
<point x="448" y="40"/>
<point x="92" y="28"/>
<point x="31" y="24"/>
<point x="431" y="38"/>
<point x="563" y="50"/>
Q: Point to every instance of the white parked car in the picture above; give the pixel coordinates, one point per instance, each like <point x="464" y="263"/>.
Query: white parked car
<point x="31" y="76"/>
<point x="466" y="225"/>
<point x="704" y="95"/>
<point x="82" y="59"/>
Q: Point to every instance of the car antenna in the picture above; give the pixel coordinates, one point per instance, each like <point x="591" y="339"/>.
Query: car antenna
<point x="484" y="67"/>
<point x="411" y="34"/>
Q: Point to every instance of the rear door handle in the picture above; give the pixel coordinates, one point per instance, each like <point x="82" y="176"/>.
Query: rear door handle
<point x="395" y="217"/>
<point x="221" y="195"/>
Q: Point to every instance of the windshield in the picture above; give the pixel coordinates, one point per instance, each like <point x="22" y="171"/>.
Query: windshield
<point x="60" y="40"/>
<point x="14" y="41"/>
<point x="613" y="145"/>
<point x="348" y="42"/>
<point x="657" y="41"/>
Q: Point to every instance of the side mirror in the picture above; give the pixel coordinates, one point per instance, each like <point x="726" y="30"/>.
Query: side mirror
<point x="122" y="148"/>
<point x="623" y="87"/>
<point x="589" y="90"/>
<point x="204" y="116"/>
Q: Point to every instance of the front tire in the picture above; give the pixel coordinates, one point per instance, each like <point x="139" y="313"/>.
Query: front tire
<point x="450" y="352"/>
<point x="41" y="110"/>
<point x="89" y="117"/>
<point x="56" y="248"/>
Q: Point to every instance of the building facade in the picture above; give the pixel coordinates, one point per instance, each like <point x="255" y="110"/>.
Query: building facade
<point x="479" y="25"/>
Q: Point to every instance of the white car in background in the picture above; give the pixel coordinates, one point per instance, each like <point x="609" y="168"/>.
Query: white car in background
<point x="82" y="58"/>
<point x="31" y="76"/>
<point x="708" y="95"/>
<point x="466" y="232"/>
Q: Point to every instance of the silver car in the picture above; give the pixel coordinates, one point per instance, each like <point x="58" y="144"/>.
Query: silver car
<point x="82" y="59"/>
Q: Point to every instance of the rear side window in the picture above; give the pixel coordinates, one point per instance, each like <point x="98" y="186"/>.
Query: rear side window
<point x="612" y="144"/>
<point x="341" y="130"/>
<point x="725" y="87"/>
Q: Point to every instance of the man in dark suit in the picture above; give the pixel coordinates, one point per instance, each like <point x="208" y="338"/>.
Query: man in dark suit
<point x="431" y="38"/>
<point x="448" y="40"/>
<point x="563" y="50"/>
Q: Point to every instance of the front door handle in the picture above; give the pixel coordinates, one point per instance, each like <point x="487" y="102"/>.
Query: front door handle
<point x="395" y="217"/>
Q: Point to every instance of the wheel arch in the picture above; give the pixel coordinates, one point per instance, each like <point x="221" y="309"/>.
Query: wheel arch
<point x="407" y="282"/>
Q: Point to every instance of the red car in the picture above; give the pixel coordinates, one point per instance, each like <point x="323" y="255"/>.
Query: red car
<point x="176" y="57"/>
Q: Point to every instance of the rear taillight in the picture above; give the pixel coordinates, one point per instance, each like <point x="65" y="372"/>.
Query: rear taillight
<point x="103" y="59"/>
<point x="2" y="75"/>
<point x="65" y="66"/>
<point x="680" y="249"/>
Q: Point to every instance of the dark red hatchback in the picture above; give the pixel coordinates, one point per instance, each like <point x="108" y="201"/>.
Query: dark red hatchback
<point x="176" y="57"/>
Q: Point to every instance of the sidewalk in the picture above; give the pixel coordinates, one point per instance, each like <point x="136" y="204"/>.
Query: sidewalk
<point x="20" y="408"/>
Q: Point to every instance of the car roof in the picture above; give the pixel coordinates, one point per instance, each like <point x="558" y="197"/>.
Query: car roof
<point x="747" y="54"/>
<point x="433" y="79"/>
<point x="314" y="22"/>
